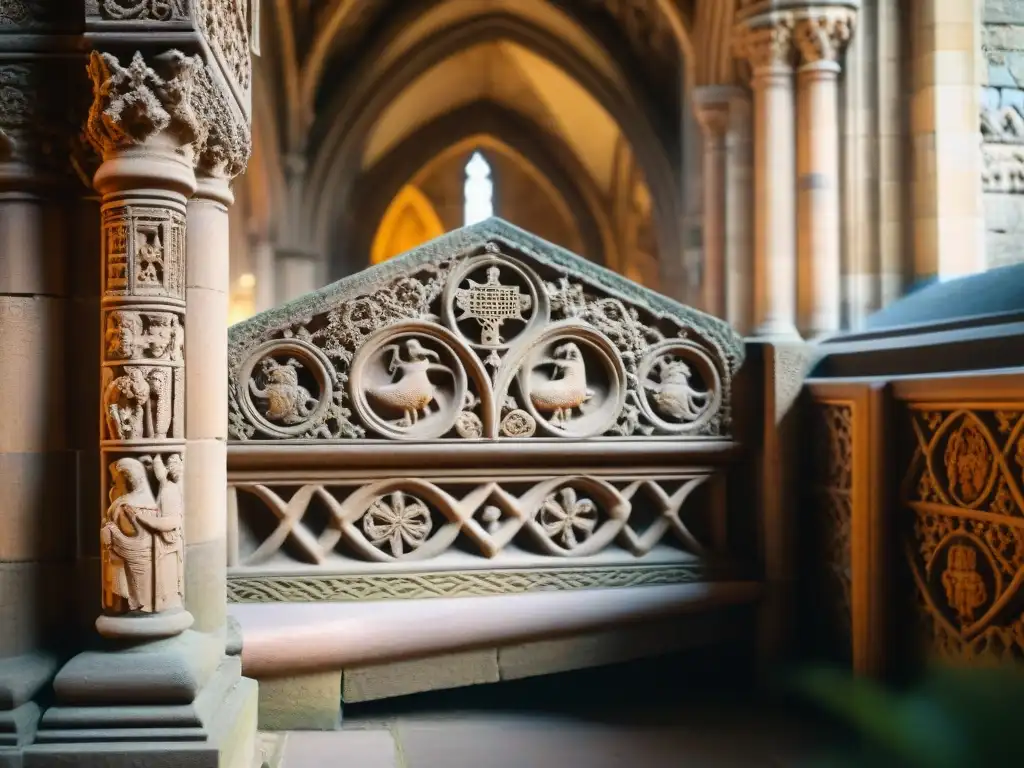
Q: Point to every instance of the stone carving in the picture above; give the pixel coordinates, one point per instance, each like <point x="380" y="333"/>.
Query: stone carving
<point x="963" y="494"/>
<point x="823" y="36"/>
<point x="1003" y="169"/>
<point x="1002" y="125"/>
<point x="535" y="338"/>
<point x="566" y="390"/>
<point x="380" y="520"/>
<point x="491" y="304"/>
<point x="766" y="47"/>
<point x="133" y="103"/>
<point x="142" y="10"/>
<point x="145" y="251"/>
<point x="397" y="522"/>
<point x="413" y="391"/>
<point x="23" y="13"/>
<point x="247" y="588"/>
<point x="142" y="536"/>
<point x="286" y="400"/>
<point x="518" y="423"/>
<point x="175" y="95"/>
<point x="225" y="24"/>
<point x="566" y="519"/>
<point x="674" y="394"/>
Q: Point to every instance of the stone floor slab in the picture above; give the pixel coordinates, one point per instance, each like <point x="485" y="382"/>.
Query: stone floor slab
<point x="340" y="749"/>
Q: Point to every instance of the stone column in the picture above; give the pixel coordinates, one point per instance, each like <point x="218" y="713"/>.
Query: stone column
<point x="149" y="123"/>
<point x="713" y="115"/>
<point x="820" y="38"/>
<point x="261" y="253"/>
<point x="206" y="362"/>
<point x="766" y="42"/>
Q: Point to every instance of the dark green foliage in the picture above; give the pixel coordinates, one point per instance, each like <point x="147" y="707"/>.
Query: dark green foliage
<point x="953" y="718"/>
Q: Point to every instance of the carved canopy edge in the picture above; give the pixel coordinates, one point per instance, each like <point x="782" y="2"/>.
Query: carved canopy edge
<point x="486" y="332"/>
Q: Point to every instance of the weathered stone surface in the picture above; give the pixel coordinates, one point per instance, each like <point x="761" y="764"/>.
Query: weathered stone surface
<point x="400" y="678"/>
<point x="301" y="702"/>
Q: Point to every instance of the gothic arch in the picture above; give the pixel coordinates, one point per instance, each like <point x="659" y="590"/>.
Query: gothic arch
<point x="354" y="113"/>
<point x="350" y="236"/>
<point x="409" y="206"/>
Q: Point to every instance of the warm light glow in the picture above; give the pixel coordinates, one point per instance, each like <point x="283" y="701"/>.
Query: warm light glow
<point x="409" y="221"/>
<point x="478" y="190"/>
<point x="241" y="308"/>
<point x="248" y="280"/>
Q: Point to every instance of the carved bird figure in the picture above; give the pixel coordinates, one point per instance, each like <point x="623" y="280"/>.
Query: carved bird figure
<point x="413" y="391"/>
<point x="567" y="389"/>
<point x="674" y="395"/>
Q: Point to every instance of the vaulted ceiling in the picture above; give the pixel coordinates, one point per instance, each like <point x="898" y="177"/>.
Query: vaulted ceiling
<point x="347" y="82"/>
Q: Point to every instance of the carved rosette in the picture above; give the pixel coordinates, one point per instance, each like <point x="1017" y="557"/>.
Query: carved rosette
<point x="964" y="538"/>
<point x="486" y="341"/>
<point x="821" y="37"/>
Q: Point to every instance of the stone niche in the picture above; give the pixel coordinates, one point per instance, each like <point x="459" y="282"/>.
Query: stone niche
<point x="485" y="414"/>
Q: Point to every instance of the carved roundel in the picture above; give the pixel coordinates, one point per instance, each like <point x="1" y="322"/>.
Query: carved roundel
<point x="408" y="382"/>
<point x="680" y="388"/>
<point x="572" y="382"/>
<point x="491" y="300"/>
<point x="285" y="387"/>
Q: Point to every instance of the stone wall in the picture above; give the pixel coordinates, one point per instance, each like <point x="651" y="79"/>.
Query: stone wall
<point x="1002" y="126"/>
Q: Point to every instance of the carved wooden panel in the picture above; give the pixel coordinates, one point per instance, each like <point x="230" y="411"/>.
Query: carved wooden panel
<point x="964" y="539"/>
<point x="832" y="526"/>
<point x="487" y="333"/>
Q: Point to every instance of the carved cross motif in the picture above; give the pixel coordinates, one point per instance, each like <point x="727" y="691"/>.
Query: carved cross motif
<point x="491" y="304"/>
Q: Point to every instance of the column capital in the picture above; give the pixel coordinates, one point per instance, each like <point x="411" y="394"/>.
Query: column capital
<point x="713" y="108"/>
<point x="169" y="101"/>
<point x="766" y="42"/>
<point x="822" y="34"/>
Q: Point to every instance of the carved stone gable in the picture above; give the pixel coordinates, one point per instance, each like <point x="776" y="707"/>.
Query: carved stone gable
<point x="485" y="333"/>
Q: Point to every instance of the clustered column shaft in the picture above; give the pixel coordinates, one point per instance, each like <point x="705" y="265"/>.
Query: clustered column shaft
<point x="797" y="269"/>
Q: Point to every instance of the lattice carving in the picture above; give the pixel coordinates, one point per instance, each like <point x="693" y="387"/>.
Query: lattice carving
<point x="965" y="538"/>
<point x="407" y="518"/>
<point x="833" y="491"/>
<point x="487" y="333"/>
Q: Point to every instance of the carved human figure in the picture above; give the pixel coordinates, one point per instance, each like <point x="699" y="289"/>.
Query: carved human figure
<point x="124" y="330"/>
<point x="151" y="257"/>
<point x="413" y="391"/>
<point x="169" y="552"/>
<point x="674" y="395"/>
<point x="287" y="401"/>
<point x="125" y="403"/>
<point x="162" y="337"/>
<point x="141" y="539"/>
<point x="965" y="589"/>
<point x="567" y="388"/>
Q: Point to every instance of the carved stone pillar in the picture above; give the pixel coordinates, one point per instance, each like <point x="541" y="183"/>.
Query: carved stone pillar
<point x="263" y="260"/>
<point x="149" y="122"/>
<point x="821" y="38"/>
<point x="766" y="42"/>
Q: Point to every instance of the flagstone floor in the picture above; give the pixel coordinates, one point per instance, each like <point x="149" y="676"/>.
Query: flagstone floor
<point x="619" y="718"/>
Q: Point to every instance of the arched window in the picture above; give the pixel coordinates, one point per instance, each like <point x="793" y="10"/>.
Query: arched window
<point x="478" y="190"/>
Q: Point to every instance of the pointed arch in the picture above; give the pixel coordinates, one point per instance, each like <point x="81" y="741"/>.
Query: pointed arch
<point x="410" y="220"/>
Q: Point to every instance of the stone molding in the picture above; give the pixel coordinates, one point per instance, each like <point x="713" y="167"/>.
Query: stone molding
<point x="174" y="97"/>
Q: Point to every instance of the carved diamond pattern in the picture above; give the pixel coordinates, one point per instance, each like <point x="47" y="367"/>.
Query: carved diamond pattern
<point x="488" y="516"/>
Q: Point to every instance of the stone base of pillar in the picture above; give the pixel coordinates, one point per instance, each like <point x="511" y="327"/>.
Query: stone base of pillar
<point x="22" y="679"/>
<point x="173" y="702"/>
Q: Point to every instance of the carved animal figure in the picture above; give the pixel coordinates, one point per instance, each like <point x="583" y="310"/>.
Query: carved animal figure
<point x="413" y="391"/>
<point x="287" y="401"/>
<point x="567" y="389"/>
<point x="674" y="395"/>
<point x="125" y="401"/>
